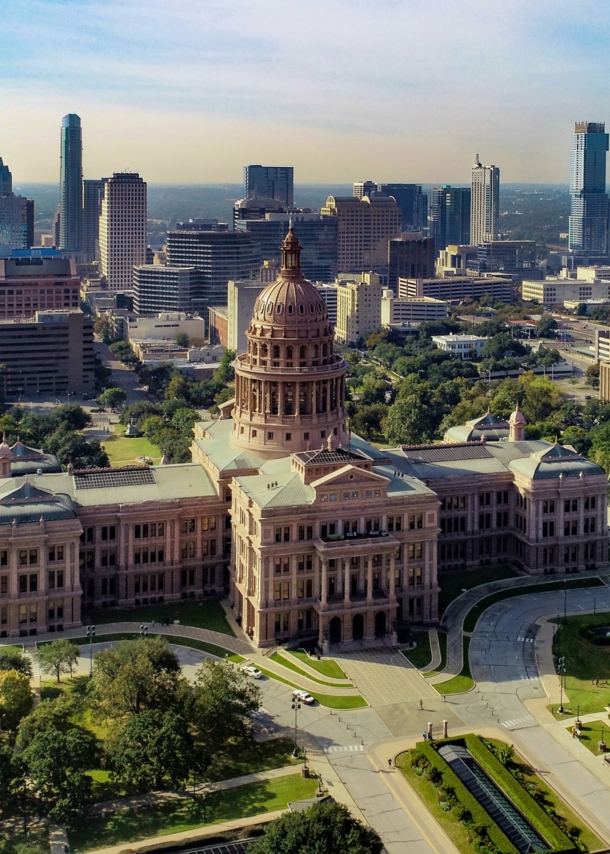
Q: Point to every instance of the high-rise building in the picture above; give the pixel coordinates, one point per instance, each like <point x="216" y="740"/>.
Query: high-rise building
<point x="449" y="216"/>
<point x="317" y="234"/>
<point x="588" y="228"/>
<point x="159" y="288"/>
<point x="71" y="184"/>
<point x="219" y="256"/>
<point x="270" y="182"/>
<point x="93" y="191"/>
<point x="365" y="227"/>
<point x="412" y="202"/>
<point x="410" y="256"/>
<point x="485" y="203"/>
<point x="364" y="188"/>
<point x="37" y="280"/>
<point x="358" y="308"/>
<point x="122" y="231"/>
<point x="505" y="256"/>
<point x="16" y="214"/>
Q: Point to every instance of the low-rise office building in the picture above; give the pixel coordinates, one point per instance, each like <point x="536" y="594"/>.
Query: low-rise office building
<point x="49" y="354"/>
<point x="165" y="288"/>
<point x="37" y="280"/>
<point x="551" y="292"/>
<point x="417" y="310"/>
<point x="456" y="288"/>
<point x="358" y="307"/>
<point x="165" y="326"/>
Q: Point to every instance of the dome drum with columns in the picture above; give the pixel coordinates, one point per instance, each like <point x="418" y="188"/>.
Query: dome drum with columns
<point x="290" y="384"/>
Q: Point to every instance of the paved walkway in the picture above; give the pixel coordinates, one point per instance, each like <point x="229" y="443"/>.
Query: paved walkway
<point x="435" y="648"/>
<point x="453" y="618"/>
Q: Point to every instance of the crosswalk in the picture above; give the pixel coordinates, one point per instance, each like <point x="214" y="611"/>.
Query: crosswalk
<point x="525" y="640"/>
<point x="345" y="748"/>
<point x="516" y="722"/>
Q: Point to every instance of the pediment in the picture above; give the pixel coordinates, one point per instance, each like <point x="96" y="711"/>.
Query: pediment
<point x="351" y="476"/>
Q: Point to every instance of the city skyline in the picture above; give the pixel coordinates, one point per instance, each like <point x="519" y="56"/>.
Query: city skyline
<point x="216" y="87"/>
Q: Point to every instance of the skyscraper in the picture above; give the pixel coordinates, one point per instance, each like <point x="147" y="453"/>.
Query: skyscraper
<point x="16" y="214"/>
<point x="71" y="184"/>
<point x="449" y="217"/>
<point x="364" y="188"/>
<point x="122" y="232"/>
<point x="365" y="227"/>
<point x="412" y="202"/>
<point x="588" y="229"/>
<point x="270" y="182"/>
<point x="93" y="191"/>
<point x="485" y="203"/>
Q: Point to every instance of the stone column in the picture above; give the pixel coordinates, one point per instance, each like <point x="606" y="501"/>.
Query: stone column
<point x="324" y="584"/>
<point x="346" y="594"/>
<point x="369" y="580"/>
<point x="391" y="586"/>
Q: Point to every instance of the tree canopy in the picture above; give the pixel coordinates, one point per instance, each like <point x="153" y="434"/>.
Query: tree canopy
<point x="59" y="656"/>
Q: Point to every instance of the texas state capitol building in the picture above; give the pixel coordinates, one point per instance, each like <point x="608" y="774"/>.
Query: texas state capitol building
<point x="314" y="533"/>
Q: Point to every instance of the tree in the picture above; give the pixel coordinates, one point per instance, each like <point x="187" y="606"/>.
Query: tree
<point x="48" y="715"/>
<point x="225" y="373"/>
<point x="182" y="340"/>
<point x="326" y="826"/>
<point x="112" y="397"/>
<point x="16" y="698"/>
<point x="102" y="328"/>
<point x="546" y="327"/>
<point x="223" y="701"/>
<point x="367" y="420"/>
<point x="56" y="763"/>
<point x="592" y="376"/>
<point x="177" y="389"/>
<point x="71" y="447"/>
<point x="151" y="748"/>
<point x="410" y="420"/>
<point x="14" y="659"/>
<point x="11" y="779"/>
<point x="59" y="656"/>
<point x="136" y="675"/>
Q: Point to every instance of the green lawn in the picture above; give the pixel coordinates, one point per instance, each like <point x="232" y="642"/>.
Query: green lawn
<point x="331" y="701"/>
<point x="14" y="841"/>
<point x="285" y="662"/>
<point x="254" y="756"/>
<point x="204" y="614"/>
<point x="421" y="655"/>
<point x="475" y="612"/>
<point x="453" y="583"/>
<point x="442" y="642"/>
<point x="591" y="734"/>
<point x="586" y="662"/>
<point x="463" y="681"/>
<point x="186" y="814"/>
<point x="326" y="666"/>
<point x="123" y="451"/>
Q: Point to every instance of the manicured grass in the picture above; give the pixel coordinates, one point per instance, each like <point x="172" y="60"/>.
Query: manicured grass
<point x="5" y="647"/>
<point x="254" y="756"/>
<point x="285" y="662"/>
<point x="122" y="451"/>
<point x="453" y="583"/>
<point x="331" y="701"/>
<point x="463" y="681"/>
<point x="186" y="814"/>
<point x="442" y="642"/>
<point x="591" y="734"/>
<point x="421" y="655"/>
<point x="14" y="841"/>
<point x="203" y="614"/>
<point x="586" y="662"/>
<point x="552" y="802"/>
<point x="534" y="799"/>
<point x="326" y="666"/>
<point x="475" y="612"/>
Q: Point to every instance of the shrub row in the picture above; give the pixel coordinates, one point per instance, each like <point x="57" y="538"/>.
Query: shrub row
<point x="484" y="834"/>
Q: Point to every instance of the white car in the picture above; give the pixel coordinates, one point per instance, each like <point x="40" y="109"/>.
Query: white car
<point x="252" y="671"/>
<point x="303" y="696"/>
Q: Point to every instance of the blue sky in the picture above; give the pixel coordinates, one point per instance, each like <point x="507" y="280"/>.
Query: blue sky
<point x="191" y="90"/>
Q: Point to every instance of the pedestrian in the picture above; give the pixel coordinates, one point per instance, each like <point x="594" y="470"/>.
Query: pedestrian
<point x="421" y="705"/>
<point x="152" y="623"/>
<point x="573" y="732"/>
<point x="597" y="683"/>
<point x="390" y="764"/>
<point x="425" y="735"/>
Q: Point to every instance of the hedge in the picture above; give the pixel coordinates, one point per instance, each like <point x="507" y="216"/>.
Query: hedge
<point x="524" y="802"/>
<point x="479" y="815"/>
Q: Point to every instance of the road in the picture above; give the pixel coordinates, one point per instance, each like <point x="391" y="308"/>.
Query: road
<point x="122" y="376"/>
<point x="510" y="692"/>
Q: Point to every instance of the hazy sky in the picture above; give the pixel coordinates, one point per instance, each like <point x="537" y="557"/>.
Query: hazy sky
<point x="344" y="90"/>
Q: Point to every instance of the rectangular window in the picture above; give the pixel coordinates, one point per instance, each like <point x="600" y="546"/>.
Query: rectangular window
<point x="502" y="497"/>
<point x="484" y="520"/>
<point x="589" y="525"/>
<point x="23" y="557"/>
<point x="187" y="526"/>
<point x="484" y="499"/>
<point x="590" y="502"/>
<point x="415" y="521"/>
<point x="3" y="558"/>
<point x="23" y="614"/>
<point x="3" y="585"/>
<point x="548" y="529"/>
<point x="415" y="551"/>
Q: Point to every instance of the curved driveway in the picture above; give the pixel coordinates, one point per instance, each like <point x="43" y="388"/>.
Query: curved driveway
<point x="503" y="664"/>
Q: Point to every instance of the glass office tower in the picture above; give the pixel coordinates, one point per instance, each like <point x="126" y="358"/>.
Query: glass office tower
<point x="71" y="184"/>
<point x="588" y="229"/>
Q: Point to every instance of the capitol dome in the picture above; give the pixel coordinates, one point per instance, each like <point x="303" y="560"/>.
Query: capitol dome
<point x="289" y="384"/>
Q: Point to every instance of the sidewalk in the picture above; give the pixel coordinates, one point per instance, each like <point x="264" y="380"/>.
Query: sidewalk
<point x="435" y="648"/>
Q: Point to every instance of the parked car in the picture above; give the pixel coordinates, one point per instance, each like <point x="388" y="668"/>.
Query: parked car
<point x="303" y="696"/>
<point x="252" y="671"/>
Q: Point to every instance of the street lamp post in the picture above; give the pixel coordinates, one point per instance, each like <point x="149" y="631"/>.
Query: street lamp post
<point x="565" y="602"/>
<point x="561" y="666"/>
<point x="296" y="705"/>
<point x="90" y="635"/>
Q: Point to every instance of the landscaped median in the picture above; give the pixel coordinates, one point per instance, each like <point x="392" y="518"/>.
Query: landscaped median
<point x="463" y="681"/>
<point x="176" y="640"/>
<point x="465" y="820"/>
<point x="278" y="658"/>
<point x="187" y="813"/>
<point x="331" y="701"/>
<point x="586" y="649"/>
